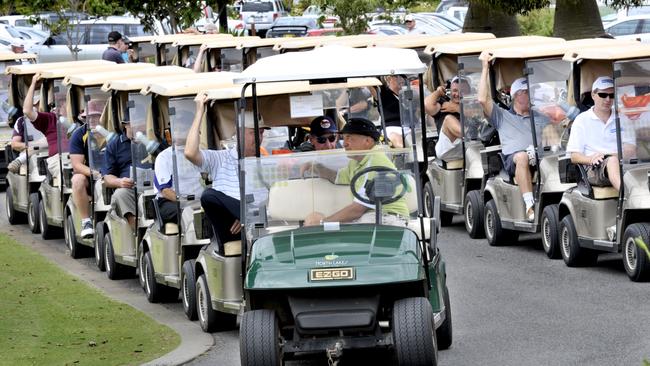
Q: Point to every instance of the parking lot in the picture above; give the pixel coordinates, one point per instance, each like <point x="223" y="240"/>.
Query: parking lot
<point x="511" y="306"/>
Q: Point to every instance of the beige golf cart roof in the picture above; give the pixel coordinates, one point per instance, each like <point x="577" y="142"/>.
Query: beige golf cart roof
<point x="247" y="42"/>
<point x="167" y="73"/>
<point x="141" y="39"/>
<point x="82" y="69"/>
<point x="299" y="43"/>
<point x="34" y="68"/>
<point x="361" y="40"/>
<point x="218" y="42"/>
<point x="11" y="56"/>
<point x="477" y="46"/>
<point x="171" y="38"/>
<point x="189" y="86"/>
<point x="423" y="40"/>
<point x="120" y="71"/>
<point x="558" y="49"/>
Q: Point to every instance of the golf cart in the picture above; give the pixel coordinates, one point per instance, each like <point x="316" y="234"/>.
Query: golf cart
<point x="166" y="248"/>
<point x="587" y="211"/>
<point x="220" y="49"/>
<point x="551" y="115"/>
<point x="8" y="111"/>
<point x="458" y="182"/>
<point x="380" y="282"/>
<point x="167" y="54"/>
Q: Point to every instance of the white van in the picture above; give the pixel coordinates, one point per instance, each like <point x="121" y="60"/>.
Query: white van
<point x="262" y="13"/>
<point x="92" y="36"/>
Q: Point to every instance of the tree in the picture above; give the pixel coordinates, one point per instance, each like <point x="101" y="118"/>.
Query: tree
<point x="177" y="14"/>
<point x="498" y="16"/>
<point x="352" y="14"/>
<point x="68" y="13"/>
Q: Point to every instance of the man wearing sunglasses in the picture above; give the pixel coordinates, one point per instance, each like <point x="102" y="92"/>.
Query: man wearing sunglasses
<point x="323" y="135"/>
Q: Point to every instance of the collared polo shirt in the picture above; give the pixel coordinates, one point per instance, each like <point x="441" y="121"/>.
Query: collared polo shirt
<point x="514" y="130"/>
<point x="222" y="166"/>
<point x="189" y="175"/>
<point x="589" y="135"/>
<point x="79" y="142"/>
<point x="374" y="158"/>
<point x="46" y="123"/>
<point x="112" y="54"/>
<point x="117" y="159"/>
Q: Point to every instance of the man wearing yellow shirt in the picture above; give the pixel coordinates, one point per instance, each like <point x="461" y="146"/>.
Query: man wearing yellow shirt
<point x="359" y="134"/>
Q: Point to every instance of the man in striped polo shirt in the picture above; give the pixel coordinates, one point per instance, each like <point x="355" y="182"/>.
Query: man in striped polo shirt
<point x="221" y="203"/>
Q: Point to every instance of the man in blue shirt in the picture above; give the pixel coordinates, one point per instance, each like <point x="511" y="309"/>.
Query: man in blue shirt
<point x="116" y="46"/>
<point x="117" y="174"/>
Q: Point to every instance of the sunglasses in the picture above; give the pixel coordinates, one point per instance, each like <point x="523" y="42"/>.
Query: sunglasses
<point x="605" y="95"/>
<point x="323" y="139"/>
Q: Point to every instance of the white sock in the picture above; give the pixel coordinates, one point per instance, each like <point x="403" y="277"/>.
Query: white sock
<point x="83" y="221"/>
<point x="529" y="200"/>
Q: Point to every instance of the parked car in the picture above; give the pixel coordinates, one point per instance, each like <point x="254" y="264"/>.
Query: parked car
<point x="262" y="13"/>
<point x="32" y="35"/>
<point x="625" y="13"/>
<point x="90" y="36"/>
<point x="329" y="20"/>
<point x="446" y="4"/>
<point x="16" y="20"/>
<point x="445" y="19"/>
<point x="634" y="27"/>
<point x="387" y="29"/>
<point x="291" y="27"/>
<point x="10" y="33"/>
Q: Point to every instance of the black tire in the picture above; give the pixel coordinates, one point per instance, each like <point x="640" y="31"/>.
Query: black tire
<point x="550" y="228"/>
<point x="32" y="213"/>
<point x="141" y="272"/>
<point x="47" y="231"/>
<point x="494" y="233"/>
<point x="188" y="289"/>
<point x="444" y="333"/>
<point x="14" y="217"/>
<point x="155" y="291"/>
<point x="71" y="237"/>
<point x="210" y="319"/>
<point x="474" y="211"/>
<point x="635" y="259"/>
<point x="114" y="270"/>
<point x="428" y="197"/>
<point x="100" y="259"/>
<point x="572" y="253"/>
<point x="414" y="337"/>
<point x="259" y="339"/>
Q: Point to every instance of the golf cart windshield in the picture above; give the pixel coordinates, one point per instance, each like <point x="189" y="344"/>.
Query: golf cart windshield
<point x="143" y="142"/>
<point x="6" y="109"/>
<point x="99" y="133"/>
<point x="548" y="100"/>
<point x="472" y="118"/>
<point x="186" y="177"/>
<point x="632" y="104"/>
<point x="232" y="59"/>
<point x="146" y="52"/>
<point x="281" y="191"/>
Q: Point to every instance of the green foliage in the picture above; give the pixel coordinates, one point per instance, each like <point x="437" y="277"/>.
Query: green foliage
<point x="537" y="23"/>
<point x="425" y="6"/>
<point x="52" y="318"/>
<point x="619" y="4"/>
<point x="352" y="13"/>
<point x="180" y="13"/>
<point x="512" y="7"/>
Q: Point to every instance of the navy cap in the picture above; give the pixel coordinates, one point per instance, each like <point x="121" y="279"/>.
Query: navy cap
<point x="114" y="36"/>
<point x="361" y="126"/>
<point x="322" y="125"/>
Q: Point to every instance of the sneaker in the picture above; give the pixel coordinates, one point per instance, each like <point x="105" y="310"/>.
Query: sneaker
<point x="87" y="230"/>
<point x="611" y="233"/>
<point x="530" y="214"/>
<point x="14" y="166"/>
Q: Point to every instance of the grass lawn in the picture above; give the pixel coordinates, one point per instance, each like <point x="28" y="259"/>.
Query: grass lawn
<point x="48" y="317"/>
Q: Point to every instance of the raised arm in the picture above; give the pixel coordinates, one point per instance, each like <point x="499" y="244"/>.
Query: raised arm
<point x="28" y="103"/>
<point x="199" y="58"/>
<point x="192" y="152"/>
<point x="484" y="86"/>
<point x="431" y="105"/>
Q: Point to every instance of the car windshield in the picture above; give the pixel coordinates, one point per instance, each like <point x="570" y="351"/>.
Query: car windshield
<point x="285" y="21"/>
<point x="260" y="6"/>
<point x="632" y="105"/>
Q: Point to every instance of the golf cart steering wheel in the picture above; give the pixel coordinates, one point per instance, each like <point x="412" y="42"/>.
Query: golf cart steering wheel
<point x="382" y="190"/>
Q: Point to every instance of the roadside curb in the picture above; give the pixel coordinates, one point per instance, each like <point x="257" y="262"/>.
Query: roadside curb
<point x="194" y="342"/>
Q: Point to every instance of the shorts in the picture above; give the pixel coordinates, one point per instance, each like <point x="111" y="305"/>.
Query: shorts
<point x="447" y="150"/>
<point x="123" y="201"/>
<point x="53" y="165"/>
<point x="597" y="174"/>
<point x="397" y="130"/>
<point x="510" y="165"/>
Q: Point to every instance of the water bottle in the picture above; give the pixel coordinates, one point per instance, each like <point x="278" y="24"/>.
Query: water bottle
<point x="108" y="136"/>
<point x="67" y="125"/>
<point x="150" y="145"/>
<point x="571" y="111"/>
<point x="8" y="108"/>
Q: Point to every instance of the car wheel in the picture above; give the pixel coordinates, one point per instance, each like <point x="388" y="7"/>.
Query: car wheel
<point x="151" y="288"/>
<point x="99" y="246"/>
<point x="474" y="214"/>
<point x="47" y="230"/>
<point x="413" y="332"/>
<point x="114" y="270"/>
<point x="494" y="233"/>
<point x="188" y="289"/>
<point x="259" y="338"/>
<point x="209" y="319"/>
<point x="635" y="259"/>
<point x="14" y="217"/>
<point x="428" y="196"/>
<point x="71" y="238"/>
<point x="32" y="213"/>
<point x="550" y="231"/>
<point x="141" y="271"/>
<point x="572" y="254"/>
<point x="444" y="332"/>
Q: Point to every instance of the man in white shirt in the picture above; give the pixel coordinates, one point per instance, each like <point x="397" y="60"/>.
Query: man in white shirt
<point x="222" y="202"/>
<point x="409" y="21"/>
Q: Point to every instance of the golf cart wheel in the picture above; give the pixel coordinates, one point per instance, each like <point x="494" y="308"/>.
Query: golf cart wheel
<point x="188" y="289"/>
<point x="550" y="231"/>
<point x="99" y="246"/>
<point x="635" y="258"/>
<point x="572" y="253"/>
<point x="114" y="270"/>
<point x="414" y="336"/>
<point x="142" y="278"/>
<point x="428" y="199"/>
<point x="155" y="292"/>
<point x="14" y="217"/>
<point x="47" y="230"/>
<point x="71" y="238"/>
<point x="259" y="339"/>
<point x="474" y="214"/>
<point x="494" y="233"/>
<point x="210" y="319"/>
<point x="32" y="213"/>
<point x="444" y="333"/>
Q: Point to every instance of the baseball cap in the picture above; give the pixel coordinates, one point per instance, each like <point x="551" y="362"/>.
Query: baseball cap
<point x="115" y="36"/>
<point x="601" y="83"/>
<point x="94" y="109"/>
<point x="361" y="126"/>
<point x="408" y="18"/>
<point x="517" y="85"/>
<point x="249" y="120"/>
<point x="322" y="125"/>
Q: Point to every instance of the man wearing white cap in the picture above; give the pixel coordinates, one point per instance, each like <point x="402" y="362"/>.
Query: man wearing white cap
<point x="221" y="203"/>
<point x="412" y="28"/>
<point x="515" y="132"/>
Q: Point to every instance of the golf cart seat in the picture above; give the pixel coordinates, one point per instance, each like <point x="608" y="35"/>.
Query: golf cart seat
<point x="171" y="228"/>
<point x="589" y="190"/>
<point x="452" y="164"/>
<point x="232" y="248"/>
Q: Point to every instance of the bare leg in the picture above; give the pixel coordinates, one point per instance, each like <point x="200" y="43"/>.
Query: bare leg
<point x="522" y="172"/>
<point x="451" y="127"/>
<point x="396" y="139"/>
<point x="80" y="195"/>
<point x="614" y="172"/>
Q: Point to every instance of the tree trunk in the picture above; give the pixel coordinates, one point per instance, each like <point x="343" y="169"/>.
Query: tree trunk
<point x="222" y="5"/>
<point x="482" y="18"/>
<point x="577" y="19"/>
